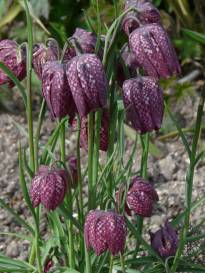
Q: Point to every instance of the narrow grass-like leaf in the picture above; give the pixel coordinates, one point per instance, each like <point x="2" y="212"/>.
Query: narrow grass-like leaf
<point x="17" y="235"/>
<point x="18" y="219"/>
<point x="198" y="37"/>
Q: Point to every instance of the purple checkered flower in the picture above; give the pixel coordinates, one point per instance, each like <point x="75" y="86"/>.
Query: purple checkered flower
<point x="154" y="51"/>
<point x="141" y="197"/>
<point x="14" y="58"/>
<point x="165" y="241"/>
<point x="56" y="90"/>
<point x="146" y="13"/>
<point x="86" y="40"/>
<point x="86" y="77"/>
<point x="43" y="54"/>
<point x="105" y="231"/>
<point x="143" y="101"/>
<point x="48" y="187"/>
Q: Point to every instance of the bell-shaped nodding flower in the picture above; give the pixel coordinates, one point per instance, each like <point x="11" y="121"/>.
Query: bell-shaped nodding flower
<point x="141" y="197"/>
<point x="104" y="132"/>
<point x="14" y="58"/>
<point x="143" y="101"/>
<point x="154" y="51"/>
<point x="48" y="187"/>
<point x="42" y="54"/>
<point x="165" y="241"/>
<point x="86" y="40"/>
<point x="56" y="90"/>
<point x="87" y="82"/>
<point x="73" y="166"/>
<point x="105" y="231"/>
<point x="146" y="13"/>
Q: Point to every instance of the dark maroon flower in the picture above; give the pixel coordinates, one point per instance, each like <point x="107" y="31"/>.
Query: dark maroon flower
<point x="165" y="241"/>
<point x="42" y="54"/>
<point x="104" y="132"/>
<point x="154" y="51"/>
<point x="73" y="165"/>
<point x="86" y="40"/>
<point x="14" y="58"/>
<point x="49" y="187"/>
<point x="143" y="100"/>
<point x="56" y="90"/>
<point x="141" y="197"/>
<point x="146" y="13"/>
<point x="87" y="82"/>
<point x="105" y="231"/>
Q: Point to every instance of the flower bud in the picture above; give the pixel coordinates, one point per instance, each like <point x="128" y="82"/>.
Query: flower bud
<point x="141" y="197"/>
<point x="154" y="51"/>
<point x="42" y="54"/>
<point x="165" y="241"/>
<point x="48" y="187"/>
<point x="143" y="100"/>
<point x="56" y="90"/>
<point x="86" y="40"/>
<point x="86" y="77"/>
<point x="105" y="231"/>
<point x="14" y="58"/>
<point x="146" y="13"/>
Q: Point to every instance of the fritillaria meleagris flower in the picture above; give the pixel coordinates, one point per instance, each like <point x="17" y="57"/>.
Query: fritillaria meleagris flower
<point x="141" y="197"/>
<point x="14" y="58"/>
<point x="72" y="161"/>
<point x="165" y="241"/>
<point x="143" y="101"/>
<point x="105" y="231"/>
<point x="86" y="40"/>
<point x="104" y="132"/>
<point x="154" y="51"/>
<point x="48" y="187"/>
<point x="42" y="54"/>
<point x="87" y="82"/>
<point x="146" y="13"/>
<point x="56" y="90"/>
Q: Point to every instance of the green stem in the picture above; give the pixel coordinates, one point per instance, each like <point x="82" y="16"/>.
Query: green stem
<point x="87" y="260"/>
<point x="189" y="182"/>
<point x="122" y="263"/>
<point x="38" y="131"/>
<point x="81" y="216"/>
<point x="111" y="263"/>
<point x="98" y="116"/>
<point x="29" y="90"/>
<point x="90" y="161"/>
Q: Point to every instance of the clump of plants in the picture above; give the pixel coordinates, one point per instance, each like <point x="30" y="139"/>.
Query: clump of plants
<point x="95" y="85"/>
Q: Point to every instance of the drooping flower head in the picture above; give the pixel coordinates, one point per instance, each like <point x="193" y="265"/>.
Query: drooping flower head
<point x="56" y="90"/>
<point x="14" y="58"/>
<point x="141" y="197"/>
<point x="165" y="241"/>
<point x="143" y="101"/>
<point x="43" y="54"/>
<point x="86" y="40"/>
<point x="154" y="51"/>
<point x="86" y="77"/>
<point x="146" y="13"/>
<point x="48" y="187"/>
<point x="104" y="132"/>
<point x="105" y="231"/>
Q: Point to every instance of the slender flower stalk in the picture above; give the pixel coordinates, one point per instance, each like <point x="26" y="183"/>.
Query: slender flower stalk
<point x="91" y="200"/>
<point x="189" y="181"/>
<point x="111" y="263"/>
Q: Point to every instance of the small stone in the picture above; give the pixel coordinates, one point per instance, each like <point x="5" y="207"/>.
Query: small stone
<point x="12" y="250"/>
